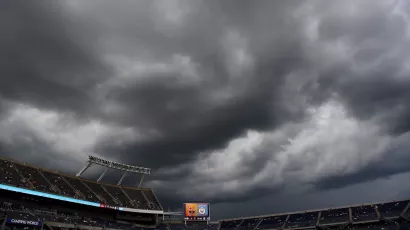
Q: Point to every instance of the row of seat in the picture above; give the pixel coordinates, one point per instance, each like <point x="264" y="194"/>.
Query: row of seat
<point x="193" y="226"/>
<point x="340" y="216"/>
<point x="21" y="212"/>
<point x="21" y="175"/>
<point x="35" y="212"/>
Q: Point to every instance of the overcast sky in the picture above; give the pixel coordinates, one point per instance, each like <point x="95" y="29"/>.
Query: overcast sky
<point x="254" y="106"/>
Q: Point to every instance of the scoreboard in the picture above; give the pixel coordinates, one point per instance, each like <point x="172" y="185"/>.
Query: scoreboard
<point x="196" y="212"/>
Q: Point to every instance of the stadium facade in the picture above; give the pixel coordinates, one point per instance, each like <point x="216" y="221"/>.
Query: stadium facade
<point x="36" y="198"/>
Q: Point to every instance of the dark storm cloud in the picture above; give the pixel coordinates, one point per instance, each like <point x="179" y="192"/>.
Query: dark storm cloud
<point x="43" y="59"/>
<point x="385" y="169"/>
<point x="374" y="83"/>
<point x="375" y="191"/>
<point x="367" y="94"/>
<point x="3" y="108"/>
<point x="384" y="97"/>
<point x="174" y="74"/>
<point x="194" y="123"/>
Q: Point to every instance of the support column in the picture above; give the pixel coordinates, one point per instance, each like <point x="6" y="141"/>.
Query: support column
<point x="376" y="209"/>
<point x="319" y="215"/>
<point x="257" y="225"/>
<point x="102" y="175"/>
<point x="122" y="178"/>
<point x="286" y="221"/>
<point x="142" y="178"/>
<point x="85" y="168"/>
<point x="405" y="209"/>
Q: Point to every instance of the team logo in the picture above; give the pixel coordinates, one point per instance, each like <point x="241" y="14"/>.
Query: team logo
<point x="202" y="210"/>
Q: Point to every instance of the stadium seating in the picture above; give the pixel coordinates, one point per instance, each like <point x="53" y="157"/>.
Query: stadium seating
<point x="376" y="226"/>
<point x="62" y="185"/>
<point x="212" y="226"/>
<point x="192" y="226"/>
<point x="81" y="189"/>
<point x="38" y="181"/>
<point x="119" y="195"/>
<point x="137" y="198"/>
<point x="302" y="220"/>
<point x="380" y="216"/>
<point x="201" y="226"/>
<point x="272" y="222"/>
<point x="230" y="224"/>
<point x="10" y="176"/>
<point x="160" y="227"/>
<point x="100" y="193"/>
<point x="26" y="176"/>
<point x="391" y="209"/>
<point x="249" y="224"/>
<point x="406" y="213"/>
<point x="20" y="212"/>
<point x="180" y="226"/>
<point x="153" y="202"/>
<point x="334" y="216"/>
<point x="364" y="213"/>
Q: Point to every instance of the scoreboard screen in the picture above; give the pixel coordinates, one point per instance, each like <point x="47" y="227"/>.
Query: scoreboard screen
<point x="196" y="211"/>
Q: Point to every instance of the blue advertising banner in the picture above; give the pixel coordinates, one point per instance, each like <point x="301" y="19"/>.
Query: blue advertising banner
<point x="47" y="195"/>
<point x="77" y="201"/>
<point x="23" y="222"/>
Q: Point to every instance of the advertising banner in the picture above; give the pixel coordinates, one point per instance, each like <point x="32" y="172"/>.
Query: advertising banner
<point x="196" y="211"/>
<point x="23" y="222"/>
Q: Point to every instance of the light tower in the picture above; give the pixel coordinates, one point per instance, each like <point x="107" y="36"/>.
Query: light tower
<point x="114" y="165"/>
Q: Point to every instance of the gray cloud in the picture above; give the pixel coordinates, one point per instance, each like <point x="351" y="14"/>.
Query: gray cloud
<point x="45" y="60"/>
<point x="257" y="99"/>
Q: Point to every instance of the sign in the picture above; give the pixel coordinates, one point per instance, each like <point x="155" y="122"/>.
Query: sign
<point x="196" y="211"/>
<point x="24" y="222"/>
<point x="109" y="206"/>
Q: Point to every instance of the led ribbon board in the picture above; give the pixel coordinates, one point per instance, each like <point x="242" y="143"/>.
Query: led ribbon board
<point x="73" y="200"/>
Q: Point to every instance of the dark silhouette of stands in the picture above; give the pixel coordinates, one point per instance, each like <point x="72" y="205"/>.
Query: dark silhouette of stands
<point x="26" y="176"/>
<point x="272" y="222"/>
<point x="391" y="209"/>
<point x="191" y="226"/>
<point x="378" y="216"/>
<point x="33" y="213"/>
<point x="334" y="216"/>
<point x="230" y="224"/>
<point x="302" y="220"/>
<point x="249" y="224"/>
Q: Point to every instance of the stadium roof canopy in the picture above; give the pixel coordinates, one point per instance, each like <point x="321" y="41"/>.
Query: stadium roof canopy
<point x="114" y="165"/>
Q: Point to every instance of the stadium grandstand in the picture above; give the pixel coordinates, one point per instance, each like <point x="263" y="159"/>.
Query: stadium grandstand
<point x="36" y="198"/>
<point x="383" y="216"/>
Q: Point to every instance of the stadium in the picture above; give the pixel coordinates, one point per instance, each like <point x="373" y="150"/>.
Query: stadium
<point x="205" y="114"/>
<point x="37" y="198"/>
